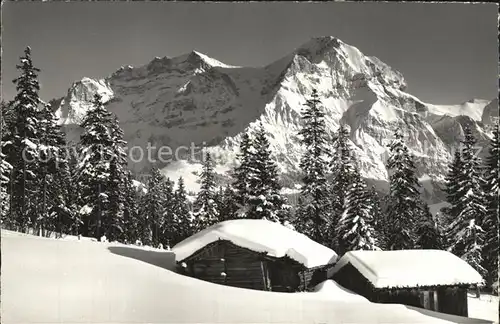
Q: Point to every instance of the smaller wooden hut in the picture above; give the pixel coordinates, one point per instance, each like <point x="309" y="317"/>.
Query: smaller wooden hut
<point x="255" y="254"/>
<point x="431" y="279"/>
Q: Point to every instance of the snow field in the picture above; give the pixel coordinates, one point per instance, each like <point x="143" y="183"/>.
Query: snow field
<point x="57" y="281"/>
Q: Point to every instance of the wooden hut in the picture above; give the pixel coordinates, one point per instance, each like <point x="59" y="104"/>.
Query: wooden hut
<point x="431" y="279"/>
<point x="255" y="254"/>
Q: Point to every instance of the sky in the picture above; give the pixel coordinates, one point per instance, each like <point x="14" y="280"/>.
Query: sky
<point x="448" y="53"/>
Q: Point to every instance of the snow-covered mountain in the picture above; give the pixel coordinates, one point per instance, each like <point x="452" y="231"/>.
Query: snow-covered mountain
<point x="192" y="98"/>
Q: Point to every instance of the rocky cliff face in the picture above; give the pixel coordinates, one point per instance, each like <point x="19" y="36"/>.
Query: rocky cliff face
<point x="194" y="99"/>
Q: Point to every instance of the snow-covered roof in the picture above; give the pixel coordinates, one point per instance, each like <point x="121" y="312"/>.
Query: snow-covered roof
<point x="260" y="236"/>
<point x="410" y="268"/>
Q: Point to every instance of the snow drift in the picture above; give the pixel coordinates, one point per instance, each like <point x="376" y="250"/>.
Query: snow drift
<point x="335" y="291"/>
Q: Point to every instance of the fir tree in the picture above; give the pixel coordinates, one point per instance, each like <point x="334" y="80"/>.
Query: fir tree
<point x="466" y="233"/>
<point x="170" y="221"/>
<point x="313" y="210"/>
<point x="471" y="246"/>
<point x="491" y="222"/>
<point x="74" y="223"/>
<point x="7" y="121"/>
<point x="229" y="205"/>
<point x="54" y="174"/>
<point x="265" y="200"/>
<point x="205" y="204"/>
<point x="354" y="229"/>
<point x="453" y="189"/>
<point x="404" y="205"/>
<point x="242" y="172"/>
<point x="428" y="232"/>
<point x="5" y="169"/>
<point x="153" y="209"/>
<point x="96" y="151"/>
<point x="130" y="211"/>
<point x="114" y="222"/>
<point x="219" y="203"/>
<point x="181" y="208"/>
<point x="379" y="220"/>
<point x="343" y="169"/>
<point x="21" y="150"/>
<point x="118" y="176"/>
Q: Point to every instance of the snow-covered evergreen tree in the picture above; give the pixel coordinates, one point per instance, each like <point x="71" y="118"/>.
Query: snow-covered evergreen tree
<point x="7" y="120"/>
<point x="56" y="210"/>
<point x="205" y="206"/>
<point x="242" y="172"/>
<point x="117" y="183"/>
<point x="21" y="150"/>
<point x="379" y="219"/>
<point x="170" y="221"/>
<point x="153" y="209"/>
<point x="343" y="168"/>
<point x="313" y="211"/>
<point x="453" y="189"/>
<point x="491" y="222"/>
<point x="428" y="233"/>
<point x="229" y="207"/>
<point x="97" y="149"/>
<point x="404" y="204"/>
<point x="114" y="222"/>
<point x="74" y="223"/>
<point x="466" y="233"/>
<point x="219" y="202"/>
<point x="355" y="231"/>
<point x="265" y="200"/>
<point x="5" y="169"/>
<point x="471" y="245"/>
<point x="131" y="219"/>
<point x="184" y="223"/>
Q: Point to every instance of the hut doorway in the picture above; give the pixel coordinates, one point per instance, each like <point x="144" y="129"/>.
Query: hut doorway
<point x="283" y="277"/>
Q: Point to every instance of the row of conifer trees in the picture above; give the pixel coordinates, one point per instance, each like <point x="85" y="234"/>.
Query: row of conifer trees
<point x="48" y="186"/>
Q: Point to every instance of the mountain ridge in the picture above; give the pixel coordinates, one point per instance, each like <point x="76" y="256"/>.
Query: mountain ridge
<point x="193" y="98"/>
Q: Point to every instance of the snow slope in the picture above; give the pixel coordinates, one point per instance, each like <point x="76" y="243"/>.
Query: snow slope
<point x="485" y="307"/>
<point x="261" y="236"/>
<point x="472" y="108"/>
<point x="57" y="281"/>
<point x="410" y="268"/>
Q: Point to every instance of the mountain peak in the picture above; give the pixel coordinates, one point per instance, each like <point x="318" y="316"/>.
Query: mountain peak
<point x="318" y="45"/>
<point x="208" y="60"/>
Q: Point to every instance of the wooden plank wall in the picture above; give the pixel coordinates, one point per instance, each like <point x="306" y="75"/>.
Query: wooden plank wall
<point x="242" y="267"/>
<point x="450" y="300"/>
<point x="249" y="269"/>
<point x="453" y="300"/>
